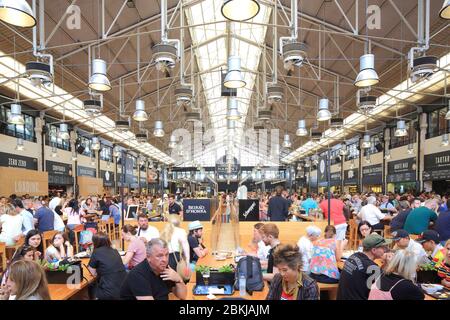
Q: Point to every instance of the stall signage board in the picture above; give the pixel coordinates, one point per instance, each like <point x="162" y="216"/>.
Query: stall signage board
<point x="402" y="171"/>
<point x="17" y="161"/>
<point x="336" y="178"/>
<point x="437" y="166"/>
<point x="59" y="173"/>
<point x="351" y="177"/>
<point x="196" y="209"/>
<point x="372" y="174"/>
<point x="249" y="210"/>
<point x="108" y="178"/>
<point x="87" y="172"/>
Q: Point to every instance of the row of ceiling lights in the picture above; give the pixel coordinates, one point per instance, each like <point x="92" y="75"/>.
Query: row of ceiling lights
<point x="19" y="13"/>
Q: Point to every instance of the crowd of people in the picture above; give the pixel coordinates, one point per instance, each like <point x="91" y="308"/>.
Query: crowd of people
<point x="150" y="266"/>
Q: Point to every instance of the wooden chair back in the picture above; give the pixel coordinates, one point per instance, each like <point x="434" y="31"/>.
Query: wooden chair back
<point x="76" y="231"/>
<point x="3" y="255"/>
<point x="353" y="234"/>
<point x="111" y="229"/>
<point x="47" y="237"/>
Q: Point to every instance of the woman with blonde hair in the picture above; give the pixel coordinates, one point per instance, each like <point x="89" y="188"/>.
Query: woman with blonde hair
<point x="176" y="238"/>
<point x="27" y="281"/>
<point x="397" y="281"/>
<point x="11" y="224"/>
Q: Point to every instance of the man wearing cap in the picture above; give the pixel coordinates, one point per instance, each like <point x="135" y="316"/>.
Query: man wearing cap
<point x="195" y="240"/>
<point x="360" y="268"/>
<point x="403" y="241"/>
<point x="430" y="243"/>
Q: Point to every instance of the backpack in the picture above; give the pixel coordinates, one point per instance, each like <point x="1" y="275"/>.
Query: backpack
<point x="251" y="267"/>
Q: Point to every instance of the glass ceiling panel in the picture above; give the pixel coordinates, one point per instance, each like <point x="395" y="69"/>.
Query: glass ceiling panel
<point x="212" y="57"/>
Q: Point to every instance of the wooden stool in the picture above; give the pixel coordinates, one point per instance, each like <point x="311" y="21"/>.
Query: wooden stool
<point x="3" y="256"/>
<point x="101" y="226"/>
<point x="387" y="231"/>
<point x="76" y="231"/>
<point x="47" y="236"/>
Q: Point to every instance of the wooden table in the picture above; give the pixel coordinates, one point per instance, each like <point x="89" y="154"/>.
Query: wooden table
<point x="307" y="218"/>
<point x="211" y="261"/>
<point x="65" y="292"/>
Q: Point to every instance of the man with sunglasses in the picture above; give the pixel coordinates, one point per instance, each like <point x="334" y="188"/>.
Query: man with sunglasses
<point x="360" y="269"/>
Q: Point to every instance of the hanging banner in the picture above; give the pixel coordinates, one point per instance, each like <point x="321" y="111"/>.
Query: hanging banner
<point x="196" y="209"/>
<point x="351" y="177"/>
<point x="322" y="172"/>
<point x="108" y="178"/>
<point x="17" y="161"/>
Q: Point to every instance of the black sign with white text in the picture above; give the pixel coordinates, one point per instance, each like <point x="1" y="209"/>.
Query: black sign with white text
<point x="437" y="166"/>
<point x="108" y="178"/>
<point x="59" y="173"/>
<point x="16" y="161"/>
<point x="336" y="178"/>
<point x="402" y="171"/>
<point x="248" y="210"/>
<point x="87" y="172"/>
<point x="351" y="177"/>
<point x="372" y="175"/>
<point x="196" y="209"/>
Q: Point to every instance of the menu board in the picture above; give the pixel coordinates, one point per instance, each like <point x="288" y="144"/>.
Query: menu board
<point x="437" y="166"/>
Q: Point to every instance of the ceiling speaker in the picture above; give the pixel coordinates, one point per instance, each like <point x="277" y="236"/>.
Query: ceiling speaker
<point x="80" y="149"/>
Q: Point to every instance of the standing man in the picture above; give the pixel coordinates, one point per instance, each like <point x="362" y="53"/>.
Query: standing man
<point x="336" y="215"/>
<point x="56" y="201"/>
<point x="278" y="206"/>
<point x="174" y="208"/>
<point x="28" y="222"/>
<point x="44" y="218"/>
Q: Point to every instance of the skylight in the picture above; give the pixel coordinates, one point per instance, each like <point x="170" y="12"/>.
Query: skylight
<point x="210" y="41"/>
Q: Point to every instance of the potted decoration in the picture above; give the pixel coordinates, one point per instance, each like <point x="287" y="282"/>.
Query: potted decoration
<point x="210" y="276"/>
<point x="59" y="272"/>
<point x="427" y="273"/>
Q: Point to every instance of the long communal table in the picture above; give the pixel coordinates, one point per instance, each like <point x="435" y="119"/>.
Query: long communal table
<point x="78" y="292"/>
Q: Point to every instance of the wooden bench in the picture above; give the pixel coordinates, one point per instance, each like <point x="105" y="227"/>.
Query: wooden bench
<point x="3" y="256"/>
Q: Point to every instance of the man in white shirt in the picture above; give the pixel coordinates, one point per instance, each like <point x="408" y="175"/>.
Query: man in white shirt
<point x="403" y="241"/>
<point x="146" y="232"/>
<point x="28" y="222"/>
<point x="56" y="201"/>
<point x="372" y="214"/>
<point x="305" y="245"/>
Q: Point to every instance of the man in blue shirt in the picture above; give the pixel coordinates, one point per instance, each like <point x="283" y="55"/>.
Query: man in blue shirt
<point x="309" y="203"/>
<point x="44" y="217"/>
<point x="442" y="225"/>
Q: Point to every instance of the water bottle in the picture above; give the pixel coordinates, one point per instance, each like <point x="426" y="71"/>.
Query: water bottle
<point x="242" y="285"/>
